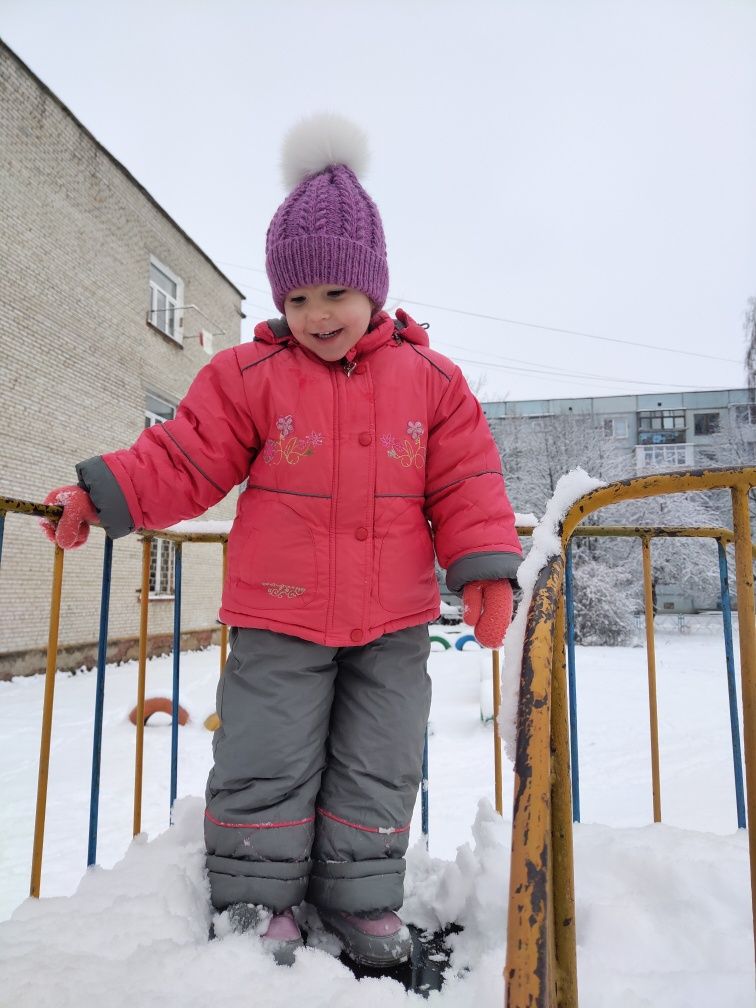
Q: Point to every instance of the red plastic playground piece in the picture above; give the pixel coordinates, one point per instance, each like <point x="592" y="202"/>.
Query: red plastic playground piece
<point x="162" y="704"/>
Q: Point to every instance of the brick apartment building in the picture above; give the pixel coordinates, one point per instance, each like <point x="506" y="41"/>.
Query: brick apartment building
<point x="103" y="299"/>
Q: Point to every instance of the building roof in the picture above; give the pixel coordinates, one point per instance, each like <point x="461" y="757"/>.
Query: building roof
<point x="699" y="399"/>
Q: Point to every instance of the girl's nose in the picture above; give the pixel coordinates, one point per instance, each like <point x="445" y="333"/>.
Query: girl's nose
<point x="320" y="312"/>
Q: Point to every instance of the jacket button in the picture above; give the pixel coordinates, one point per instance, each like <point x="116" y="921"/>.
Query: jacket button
<point x="356" y="635"/>
<point x="360" y="369"/>
<point x="365" y="438"/>
<point x="361" y="534"/>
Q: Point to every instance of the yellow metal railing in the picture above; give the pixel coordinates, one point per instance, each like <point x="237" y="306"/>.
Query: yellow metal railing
<point x="13" y="505"/>
<point x="541" y="967"/>
<point x="541" y="963"/>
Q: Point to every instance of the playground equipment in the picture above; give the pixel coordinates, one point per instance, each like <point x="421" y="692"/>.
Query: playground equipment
<point x="460" y="642"/>
<point x="541" y="963"/>
<point x="437" y="639"/>
<point x="159" y="705"/>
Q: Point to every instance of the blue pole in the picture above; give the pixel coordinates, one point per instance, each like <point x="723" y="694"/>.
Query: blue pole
<point x="2" y="530"/>
<point x="176" y="667"/>
<point x="569" y="604"/>
<point x="424" y="791"/>
<point x="731" y="686"/>
<point x="102" y="650"/>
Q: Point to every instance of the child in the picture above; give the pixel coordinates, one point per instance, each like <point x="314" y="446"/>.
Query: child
<point x="363" y="451"/>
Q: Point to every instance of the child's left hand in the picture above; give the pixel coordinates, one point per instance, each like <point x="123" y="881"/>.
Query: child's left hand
<point x="487" y="606"/>
<point x="72" y="529"/>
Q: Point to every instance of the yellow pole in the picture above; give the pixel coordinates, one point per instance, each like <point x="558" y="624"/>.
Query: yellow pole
<point x="141" y="683"/>
<point x="528" y="974"/>
<point x="562" y="856"/>
<point x="747" y="636"/>
<point x="651" y="661"/>
<point x="496" y="733"/>
<point x="47" y="713"/>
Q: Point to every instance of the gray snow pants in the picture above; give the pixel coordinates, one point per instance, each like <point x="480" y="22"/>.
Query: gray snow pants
<point x="317" y="765"/>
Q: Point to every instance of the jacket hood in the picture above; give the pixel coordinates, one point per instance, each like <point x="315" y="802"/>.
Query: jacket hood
<point x="382" y="328"/>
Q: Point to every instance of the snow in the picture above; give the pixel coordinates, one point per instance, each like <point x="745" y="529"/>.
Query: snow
<point x="663" y="911"/>
<point x="199" y="526"/>
<point x="546" y="543"/>
<point x="194" y="526"/>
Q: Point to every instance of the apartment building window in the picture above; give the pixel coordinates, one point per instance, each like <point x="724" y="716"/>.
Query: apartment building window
<point x="705" y="423"/>
<point x="661" y="426"/>
<point x="746" y="414"/>
<point x="663" y="456"/>
<point x="162" y="553"/>
<point x="166" y="292"/>
<point x="157" y="410"/>
<point x="615" y="427"/>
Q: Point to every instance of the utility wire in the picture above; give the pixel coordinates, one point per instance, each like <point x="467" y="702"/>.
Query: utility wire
<point x="533" y="325"/>
<point x="573" y="375"/>
<point x="572" y="332"/>
<point x="545" y="369"/>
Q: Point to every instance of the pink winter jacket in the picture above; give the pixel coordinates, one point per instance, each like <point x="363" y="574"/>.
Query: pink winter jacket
<point x="354" y="472"/>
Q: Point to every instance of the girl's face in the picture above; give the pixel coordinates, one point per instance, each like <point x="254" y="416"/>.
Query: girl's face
<point x="327" y="319"/>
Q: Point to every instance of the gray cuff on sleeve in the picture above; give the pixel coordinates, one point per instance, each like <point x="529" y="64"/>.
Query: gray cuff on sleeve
<point x="107" y="496"/>
<point x="482" y="567"/>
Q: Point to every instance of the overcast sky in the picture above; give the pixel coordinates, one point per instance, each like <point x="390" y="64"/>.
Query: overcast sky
<point x="584" y="166"/>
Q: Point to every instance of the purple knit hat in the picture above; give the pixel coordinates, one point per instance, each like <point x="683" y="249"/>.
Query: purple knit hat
<point x="327" y="230"/>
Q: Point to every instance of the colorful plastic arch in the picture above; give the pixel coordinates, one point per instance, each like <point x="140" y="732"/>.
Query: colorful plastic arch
<point x="460" y="642"/>
<point x="161" y="704"/>
<point x="441" y="640"/>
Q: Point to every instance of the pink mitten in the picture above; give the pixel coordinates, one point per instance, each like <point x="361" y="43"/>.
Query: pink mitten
<point x="488" y="608"/>
<point x="72" y="529"/>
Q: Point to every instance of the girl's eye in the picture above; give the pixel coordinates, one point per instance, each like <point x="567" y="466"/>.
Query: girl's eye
<point x="299" y="300"/>
<point x="335" y="293"/>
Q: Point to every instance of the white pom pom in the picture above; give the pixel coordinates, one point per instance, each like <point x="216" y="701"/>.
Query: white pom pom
<point x="322" y="140"/>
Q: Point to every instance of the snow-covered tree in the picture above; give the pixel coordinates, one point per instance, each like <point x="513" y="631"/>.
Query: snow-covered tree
<point x="749" y="328"/>
<point x="536" y="451"/>
<point x="688" y="563"/>
<point x="601" y="610"/>
<point x="608" y="571"/>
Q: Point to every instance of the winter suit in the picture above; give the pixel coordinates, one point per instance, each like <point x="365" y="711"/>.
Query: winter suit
<point x="355" y="471"/>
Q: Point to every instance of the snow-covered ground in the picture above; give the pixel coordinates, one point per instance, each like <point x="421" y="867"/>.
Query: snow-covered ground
<point x="663" y="911"/>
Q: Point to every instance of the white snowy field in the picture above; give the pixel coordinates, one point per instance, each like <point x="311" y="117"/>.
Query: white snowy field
<point x="663" y="911"/>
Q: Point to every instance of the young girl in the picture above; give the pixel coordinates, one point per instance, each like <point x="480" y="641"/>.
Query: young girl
<point x="363" y="452"/>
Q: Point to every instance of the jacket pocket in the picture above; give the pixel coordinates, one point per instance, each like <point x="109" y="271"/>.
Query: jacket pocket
<point x="272" y="558"/>
<point x="406" y="570"/>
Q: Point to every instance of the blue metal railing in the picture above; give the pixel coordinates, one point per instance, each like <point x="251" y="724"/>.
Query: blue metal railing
<point x="102" y="647"/>
<point x="571" y="684"/>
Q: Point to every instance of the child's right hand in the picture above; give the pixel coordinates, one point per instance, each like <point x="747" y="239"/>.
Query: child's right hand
<point x="487" y="606"/>
<point x="72" y="528"/>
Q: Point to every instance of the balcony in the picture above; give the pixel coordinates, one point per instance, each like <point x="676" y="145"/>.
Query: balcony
<point x="664" y="456"/>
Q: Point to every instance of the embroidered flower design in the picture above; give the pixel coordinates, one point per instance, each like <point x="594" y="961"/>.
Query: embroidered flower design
<point x="269" y="451"/>
<point x="283" y="590"/>
<point x="289" y="448"/>
<point x="409" y="450"/>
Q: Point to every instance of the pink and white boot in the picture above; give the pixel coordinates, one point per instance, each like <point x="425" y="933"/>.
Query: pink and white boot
<point x="376" y="938"/>
<point x="282" y="936"/>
